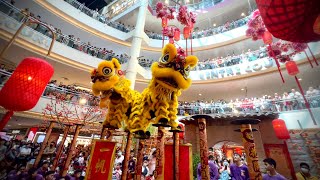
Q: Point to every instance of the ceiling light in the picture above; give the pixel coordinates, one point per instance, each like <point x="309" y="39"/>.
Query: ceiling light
<point x="242" y="14"/>
<point x="300" y="79"/>
<point x="242" y="89"/>
<point x="200" y="94"/>
<point x="19" y="124"/>
<point x="214" y="25"/>
<point x="29" y="78"/>
<point x="8" y="125"/>
<point x="187" y="1"/>
<point x="167" y="1"/>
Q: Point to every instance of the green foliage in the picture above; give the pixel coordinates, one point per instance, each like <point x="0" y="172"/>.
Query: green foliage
<point x="195" y="161"/>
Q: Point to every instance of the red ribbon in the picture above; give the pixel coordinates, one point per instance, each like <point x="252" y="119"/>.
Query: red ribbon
<point x="308" y="59"/>
<point x="275" y="59"/>
<point x="315" y="60"/>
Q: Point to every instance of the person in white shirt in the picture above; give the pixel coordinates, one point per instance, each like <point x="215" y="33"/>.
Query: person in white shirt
<point x="119" y="158"/>
<point x="25" y="151"/>
<point x="145" y="169"/>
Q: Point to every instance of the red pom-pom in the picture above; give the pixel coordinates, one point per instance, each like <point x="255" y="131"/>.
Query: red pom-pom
<point x="120" y="72"/>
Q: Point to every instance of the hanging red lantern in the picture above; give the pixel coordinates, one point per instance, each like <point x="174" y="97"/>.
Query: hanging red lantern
<point x="25" y="86"/>
<point x="176" y="34"/>
<point x="291" y="20"/>
<point x="280" y="129"/>
<point x="164" y="22"/>
<point x="238" y="151"/>
<point x="182" y="127"/>
<point x="267" y="37"/>
<point x="186" y="32"/>
<point x="292" y="68"/>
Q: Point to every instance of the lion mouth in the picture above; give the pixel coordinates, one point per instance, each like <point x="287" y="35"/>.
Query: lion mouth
<point x="169" y="82"/>
<point x="106" y="94"/>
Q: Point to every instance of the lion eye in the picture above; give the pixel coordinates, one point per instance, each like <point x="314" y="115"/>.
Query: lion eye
<point x="106" y="71"/>
<point x="165" y="59"/>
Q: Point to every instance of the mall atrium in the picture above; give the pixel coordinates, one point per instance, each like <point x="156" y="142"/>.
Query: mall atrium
<point x="168" y="89"/>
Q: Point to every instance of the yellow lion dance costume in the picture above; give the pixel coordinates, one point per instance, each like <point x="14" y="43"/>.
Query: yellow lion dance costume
<point x="159" y="102"/>
<point x="114" y="91"/>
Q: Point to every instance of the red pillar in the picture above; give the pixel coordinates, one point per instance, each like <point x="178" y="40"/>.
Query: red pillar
<point x="5" y="119"/>
<point x="203" y="148"/>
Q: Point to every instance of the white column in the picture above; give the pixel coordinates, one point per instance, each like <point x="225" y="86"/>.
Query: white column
<point x="131" y="71"/>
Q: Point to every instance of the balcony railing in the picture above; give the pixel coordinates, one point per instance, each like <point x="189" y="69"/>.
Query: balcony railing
<point x="288" y="102"/>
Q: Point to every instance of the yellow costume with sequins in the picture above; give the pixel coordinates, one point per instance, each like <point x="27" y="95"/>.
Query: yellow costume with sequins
<point x="114" y="91"/>
<point x="159" y="102"/>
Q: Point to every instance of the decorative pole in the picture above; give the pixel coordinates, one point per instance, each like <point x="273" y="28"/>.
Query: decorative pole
<point x="126" y="157"/>
<point x="43" y="145"/>
<point x="176" y="155"/>
<point x="203" y="148"/>
<point x="158" y="173"/>
<point x="139" y="159"/>
<point x="60" y="149"/>
<point x="71" y="150"/>
<point x="249" y="146"/>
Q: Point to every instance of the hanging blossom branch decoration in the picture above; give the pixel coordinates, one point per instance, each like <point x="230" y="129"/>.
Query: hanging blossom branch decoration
<point x="186" y="18"/>
<point x="163" y="11"/>
<point x="256" y="26"/>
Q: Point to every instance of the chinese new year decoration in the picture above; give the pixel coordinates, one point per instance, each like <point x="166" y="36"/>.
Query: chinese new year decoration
<point x="25" y="86"/>
<point x="280" y="128"/>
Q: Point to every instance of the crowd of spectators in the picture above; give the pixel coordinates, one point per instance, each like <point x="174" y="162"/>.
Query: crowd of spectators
<point x="17" y="158"/>
<point x="218" y="62"/>
<point x="69" y="40"/>
<point x="200" y="33"/>
<point x="287" y="101"/>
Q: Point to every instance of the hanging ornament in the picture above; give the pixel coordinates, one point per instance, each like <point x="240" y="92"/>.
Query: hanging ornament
<point x="267" y="37"/>
<point x="186" y="32"/>
<point x="164" y="22"/>
<point x="292" y="68"/>
<point x="280" y="128"/>
<point x="176" y="34"/>
<point x="171" y="41"/>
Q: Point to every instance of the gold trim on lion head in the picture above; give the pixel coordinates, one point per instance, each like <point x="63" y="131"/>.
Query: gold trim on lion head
<point x="172" y="70"/>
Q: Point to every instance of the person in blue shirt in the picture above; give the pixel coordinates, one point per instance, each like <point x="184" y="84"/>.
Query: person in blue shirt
<point x="272" y="174"/>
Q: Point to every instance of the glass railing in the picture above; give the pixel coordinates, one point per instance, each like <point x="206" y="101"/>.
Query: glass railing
<point x="119" y="6"/>
<point x="288" y="102"/>
<point x="69" y="40"/>
<point x="105" y="18"/>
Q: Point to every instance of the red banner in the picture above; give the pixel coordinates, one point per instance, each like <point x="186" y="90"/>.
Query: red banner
<point x="185" y="162"/>
<point x="101" y="160"/>
<point x="32" y="133"/>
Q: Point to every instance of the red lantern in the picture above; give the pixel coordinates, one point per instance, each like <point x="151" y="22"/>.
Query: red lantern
<point x="186" y="32"/>
<point x="238" y="151"/>
<point x="181" y="134"/>
<point x="176" y="34"/>
<point x="291" y="20"/>
<point x="292" y="68"/>
<point x="164" y="22"/>
<point x="280" y="129"/>
<point x="25" y="86"/>
<point x="267" y="37"/>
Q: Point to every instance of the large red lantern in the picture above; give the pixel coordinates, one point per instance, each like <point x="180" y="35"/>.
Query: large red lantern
<point x="292" y="68"/>
<point x="267" y="37"/>
<point x="176" y="35"/>
<point x="186" y="32"/>
<point x="291" y="20"/>
<point x="25" y="86"/>
<point x="164" y="22"/>
<point x="280" y="129"/>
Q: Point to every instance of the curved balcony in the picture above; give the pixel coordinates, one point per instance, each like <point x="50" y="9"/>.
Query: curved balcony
<point x="77" y="55"/>
<point x="99" y="28"/>
<point x="288" y="107"/>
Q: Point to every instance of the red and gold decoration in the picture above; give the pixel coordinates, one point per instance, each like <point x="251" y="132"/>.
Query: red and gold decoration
<point x="249" y="146"/>
<point x="203" y="148"/>
<point x="291" y="20"/>
<point x="185" y="162"/>
<point x="140" y="159"/>
<point x="101" y="160"/>
<point x="280" y="128"/>
<point x="158" y="173"/>
<point x="60" y="149"/>
<point x="126" y="157"/>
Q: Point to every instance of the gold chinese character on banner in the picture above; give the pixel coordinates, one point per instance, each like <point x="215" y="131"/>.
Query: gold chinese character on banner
<point x="100" y="166"/>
